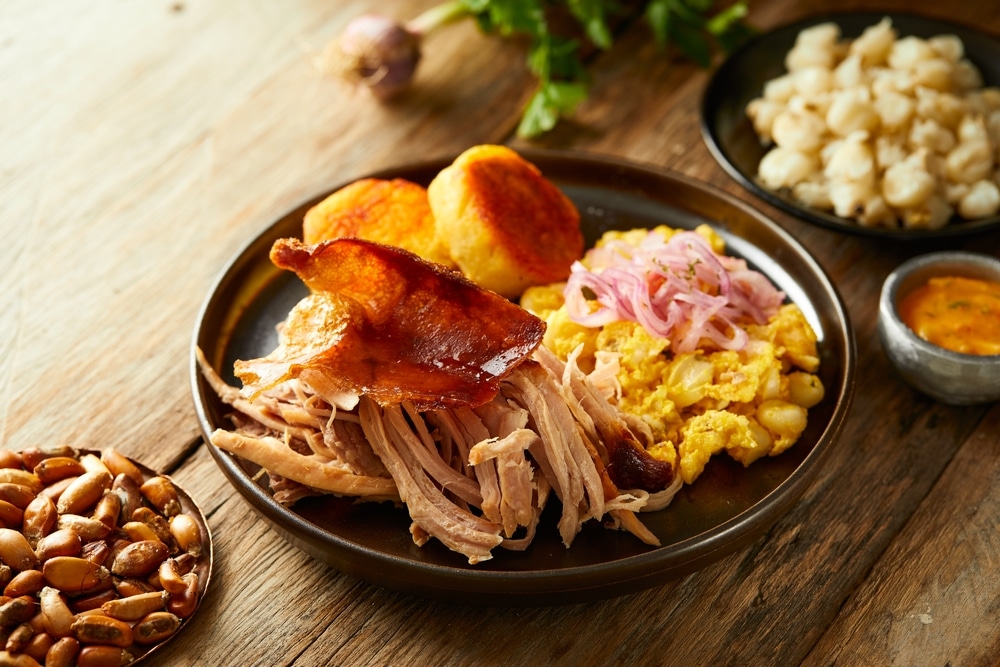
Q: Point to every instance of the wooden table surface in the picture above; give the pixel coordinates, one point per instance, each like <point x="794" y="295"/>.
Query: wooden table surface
<point x="143" y="143"/>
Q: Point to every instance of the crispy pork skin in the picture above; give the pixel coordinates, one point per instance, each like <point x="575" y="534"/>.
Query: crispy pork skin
<point x="384" y="323"/>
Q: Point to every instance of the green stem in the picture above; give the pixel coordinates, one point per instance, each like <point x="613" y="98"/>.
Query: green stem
<point x="437" y="16"/>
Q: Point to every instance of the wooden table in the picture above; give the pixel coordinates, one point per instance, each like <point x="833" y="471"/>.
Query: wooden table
<point x="144" y="142"/>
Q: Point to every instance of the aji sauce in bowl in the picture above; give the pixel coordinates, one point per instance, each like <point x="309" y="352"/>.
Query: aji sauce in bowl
<point x="955" y="312"/>
<point x="939" y="324"/>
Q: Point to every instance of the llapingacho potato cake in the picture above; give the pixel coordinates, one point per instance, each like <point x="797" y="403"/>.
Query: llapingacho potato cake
<point x="506" y="226"/>
<point x="393" y="212"/>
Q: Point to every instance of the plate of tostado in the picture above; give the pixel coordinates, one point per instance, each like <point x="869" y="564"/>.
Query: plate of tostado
<point x="521" y="379"/>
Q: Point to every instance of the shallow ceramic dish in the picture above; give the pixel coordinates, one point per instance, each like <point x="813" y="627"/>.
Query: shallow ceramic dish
<point x="946" y="376"/>
<point x="203" y="565"/>
<point x="727" y="508"/>
<point x="734" y="144"/>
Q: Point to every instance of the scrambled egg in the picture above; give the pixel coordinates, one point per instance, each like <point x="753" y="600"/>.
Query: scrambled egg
<point x="749" y="403"/>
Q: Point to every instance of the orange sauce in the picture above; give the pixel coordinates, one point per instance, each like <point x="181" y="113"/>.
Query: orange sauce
<point x="956" y="313"/>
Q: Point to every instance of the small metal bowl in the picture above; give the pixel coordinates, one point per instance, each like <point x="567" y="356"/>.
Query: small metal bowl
<point x="949" y="377"/>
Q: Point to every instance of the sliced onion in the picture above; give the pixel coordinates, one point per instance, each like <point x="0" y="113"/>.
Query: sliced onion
<point x="678" y="289"/>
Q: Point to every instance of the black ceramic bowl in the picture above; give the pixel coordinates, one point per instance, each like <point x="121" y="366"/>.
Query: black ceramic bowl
<point x="726" y="508"/>
<point x="734" y="144"/>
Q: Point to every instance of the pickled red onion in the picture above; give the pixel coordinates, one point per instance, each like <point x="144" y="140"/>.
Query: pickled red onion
<point x="678" y="289"/>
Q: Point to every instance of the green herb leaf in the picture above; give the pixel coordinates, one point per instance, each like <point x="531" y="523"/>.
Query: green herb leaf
<point x="555" y="61"/>
<point x="691" y="42"/>
<point x="658" y="17"/>
<point x="700" y="6"/>
<point x="734" y="36"/>
<point x="591" y="15"/>
<point x="551" y="101"/>
<point x="683" y="11"/>
<point x="507" y="17"/>
<point x="725" y="19"/>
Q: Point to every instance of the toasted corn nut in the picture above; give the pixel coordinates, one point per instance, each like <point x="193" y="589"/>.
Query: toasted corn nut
<point x="92" y="463"/>
<point x="63" y="653"/>
<point x="170" y="579"/>
<point x="187" y="532"/>
<point x="139" y="559"/>
<point x="84" y="492"/>
<point x="38" y="621"/>
<point x="96" y="552"/>
<point x="104" y="656"/>
<point x="136" y="606"/>
<point x="10" y="459"/>
<point x="155" y="627"/>
<point x="161" y="493"/>
<point x="137" y="531"/>
<point x="88" y="529"/>
<point x="83" y="516"/>
<point x="15" y="550"/>
<point x="32" y="456"/>
<point x="17" y="610"/>
<point x="19" y="638"/>
<point x="185" y="563"/>
<point x="40" y="518"/>
<point x="56" y="614"/>
<point x="53" y="491"/>
<point x="75" y="575"/>
<point x="108" y="509"/>
<point x="128" y="492"/>
<point x="8" y="659"/>
<point x="117" y="543"/>
<point x="89" y="604"/>
<point x="185" y="603"/>
<point x="157" y="523"/>
<point x="10" y="515"/>
<point x="101" y="629"/>
<point x="119" y="464"/>
<point x="17" y="495"/>
<point x="129" y="587"/>
<point x="22" y="477"/>
<point x="27" y="582"/>
<point x="39" y="645"/>
<point x="51" y="470"/>
<point x="64" y="542"/>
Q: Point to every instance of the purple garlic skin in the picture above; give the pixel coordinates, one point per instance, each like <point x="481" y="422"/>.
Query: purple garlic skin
<point x="377" y="52"/>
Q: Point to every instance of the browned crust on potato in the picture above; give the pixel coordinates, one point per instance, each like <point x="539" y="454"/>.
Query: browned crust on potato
<point x="393" y="212"/>
<point x="506" y="225"/>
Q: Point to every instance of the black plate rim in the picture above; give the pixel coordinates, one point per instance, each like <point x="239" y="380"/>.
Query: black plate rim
<point x="543" y="587"/>
<point x="712" y="95"/>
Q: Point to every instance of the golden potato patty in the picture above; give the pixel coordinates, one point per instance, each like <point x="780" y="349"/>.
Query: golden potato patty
<point x="506" y="226"/>
<point x="394" y="213"/>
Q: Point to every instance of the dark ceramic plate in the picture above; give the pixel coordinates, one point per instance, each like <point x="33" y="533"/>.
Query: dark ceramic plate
<point x="734" y="144"/>
<point x="725" y="509"/>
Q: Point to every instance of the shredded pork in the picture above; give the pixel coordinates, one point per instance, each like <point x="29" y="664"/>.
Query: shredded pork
<point x="473" y="478"/>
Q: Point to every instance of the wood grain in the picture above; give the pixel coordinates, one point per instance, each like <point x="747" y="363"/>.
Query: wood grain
<point x="145" y="143"/>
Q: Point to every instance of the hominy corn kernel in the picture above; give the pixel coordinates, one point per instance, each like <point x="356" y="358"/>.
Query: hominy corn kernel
<point x="884" y="130"/>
